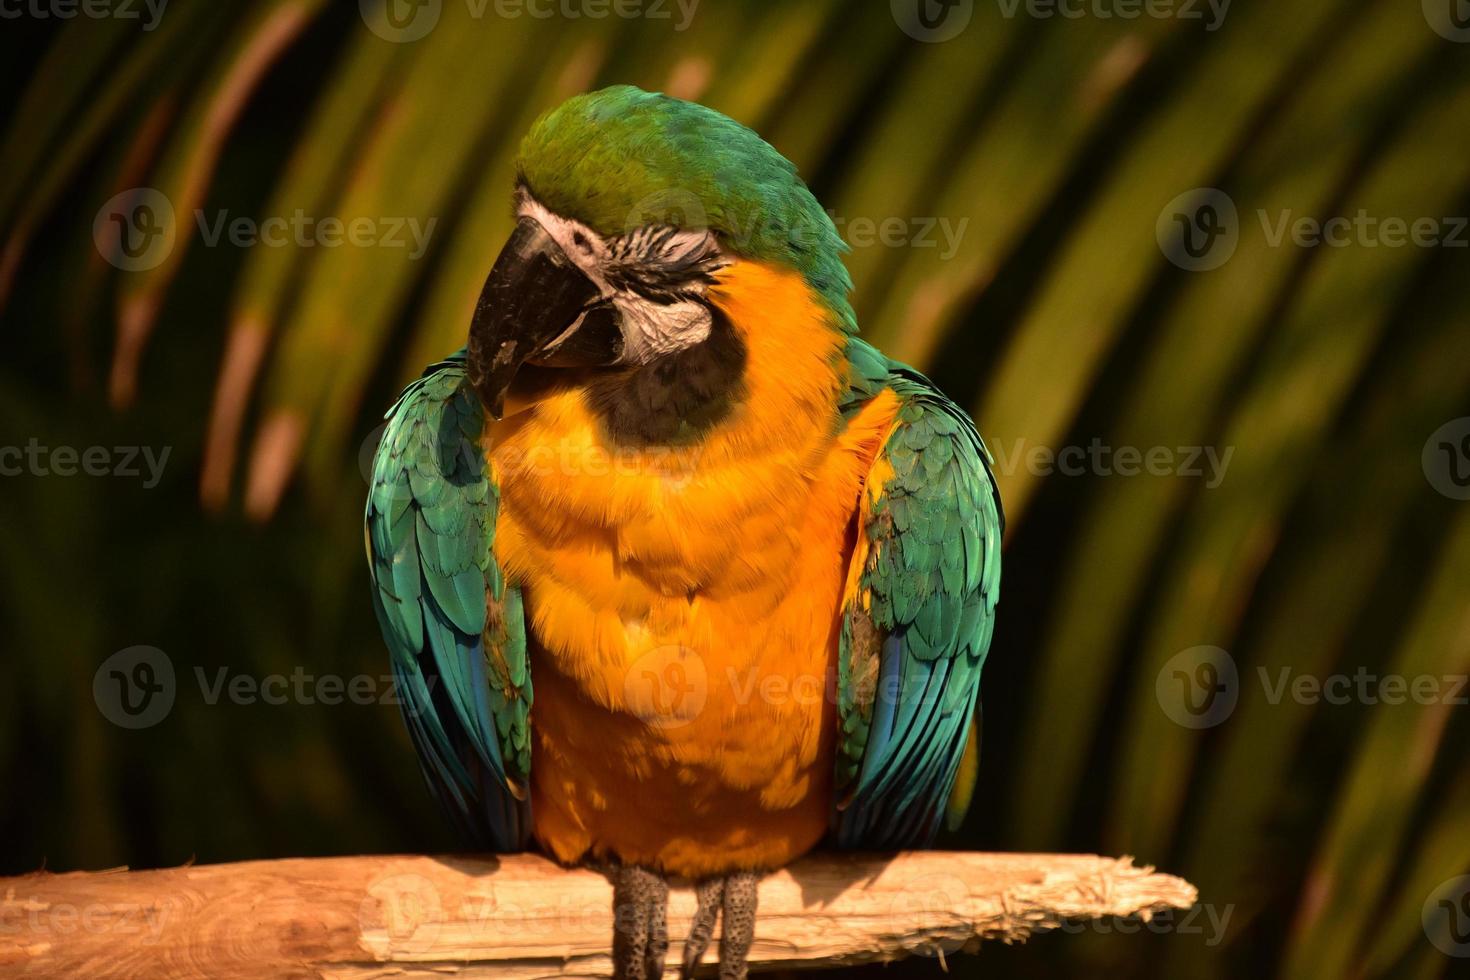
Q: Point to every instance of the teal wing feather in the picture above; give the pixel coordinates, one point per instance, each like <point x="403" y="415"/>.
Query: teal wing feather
<point x="911" y="654"/>
<point x="456" y="632"/>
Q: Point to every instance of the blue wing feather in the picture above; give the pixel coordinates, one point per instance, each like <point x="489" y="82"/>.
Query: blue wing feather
<point x="430" y="527"/>
<point x="915" y="639"/>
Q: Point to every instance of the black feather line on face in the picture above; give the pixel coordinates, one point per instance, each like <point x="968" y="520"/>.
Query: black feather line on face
<point x="640" y="263"/>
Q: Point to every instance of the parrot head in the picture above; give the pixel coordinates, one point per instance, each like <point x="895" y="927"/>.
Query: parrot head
<point x="629" y="204"/>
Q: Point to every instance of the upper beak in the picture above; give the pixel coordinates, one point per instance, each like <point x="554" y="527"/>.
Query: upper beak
<point x="533" y="295"/>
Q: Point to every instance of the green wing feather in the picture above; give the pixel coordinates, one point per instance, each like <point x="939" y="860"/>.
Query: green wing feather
<point x="910" y="659"/>
<point x="456" y="632"/>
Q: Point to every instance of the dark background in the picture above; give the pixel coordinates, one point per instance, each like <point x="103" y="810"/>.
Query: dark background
<point x="1056" y="147"/>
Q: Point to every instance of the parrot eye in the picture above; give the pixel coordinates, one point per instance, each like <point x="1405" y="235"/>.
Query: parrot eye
<point x="657" y="262"/>
<point x="653" y="278"/>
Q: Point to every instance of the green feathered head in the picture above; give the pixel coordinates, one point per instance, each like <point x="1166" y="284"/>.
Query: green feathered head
<point x="620" y="159"/>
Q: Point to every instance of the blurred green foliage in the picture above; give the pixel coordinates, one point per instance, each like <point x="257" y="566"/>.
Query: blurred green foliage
<point x="1027" y="170"/>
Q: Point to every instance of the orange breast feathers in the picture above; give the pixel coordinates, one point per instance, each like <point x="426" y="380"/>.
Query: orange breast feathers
<point x="682" y="603"/>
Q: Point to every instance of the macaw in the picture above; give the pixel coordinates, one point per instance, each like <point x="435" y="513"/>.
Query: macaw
<point x="750" y="563"/>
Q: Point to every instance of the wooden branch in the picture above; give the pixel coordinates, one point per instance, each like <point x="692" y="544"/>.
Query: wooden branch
<point x="522" y="916"/>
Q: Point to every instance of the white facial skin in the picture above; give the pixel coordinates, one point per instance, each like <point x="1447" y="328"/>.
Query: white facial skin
<point x="651" y="328"/>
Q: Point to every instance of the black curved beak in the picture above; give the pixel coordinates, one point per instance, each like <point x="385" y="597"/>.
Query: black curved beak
<point x="531" y="301"/>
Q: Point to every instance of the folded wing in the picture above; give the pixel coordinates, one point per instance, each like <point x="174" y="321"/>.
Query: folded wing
<point x="917" y="623"/>
<point x="456" y="633"/>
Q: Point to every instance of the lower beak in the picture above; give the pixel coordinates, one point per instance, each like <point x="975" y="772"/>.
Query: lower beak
<point x="531" y="301"/>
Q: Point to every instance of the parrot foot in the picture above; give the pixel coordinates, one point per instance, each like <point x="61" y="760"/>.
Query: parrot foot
<point x="734" y="897"/>
<point x="708" y="894"/>
<point x="640" y="924"/>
